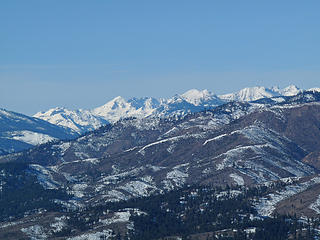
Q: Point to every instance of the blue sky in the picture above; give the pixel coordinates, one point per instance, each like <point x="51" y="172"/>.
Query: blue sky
<point x="80" y="54"/>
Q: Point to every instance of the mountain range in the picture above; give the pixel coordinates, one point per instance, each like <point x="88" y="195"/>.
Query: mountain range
<point x="76" y="122"/>
<point x="194" y="100"/>
<point x="235" y="143"/>
<point x="145" y="147"/>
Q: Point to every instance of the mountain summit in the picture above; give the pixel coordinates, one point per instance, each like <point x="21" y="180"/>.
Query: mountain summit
<point x="196" y="97"/>
<point x="120" y="108"/>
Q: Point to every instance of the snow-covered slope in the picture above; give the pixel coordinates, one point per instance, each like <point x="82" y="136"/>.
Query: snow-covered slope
<point x="249" y="94"/>
<point x="19" y="132"/>
<point x="82" y="121"/>
<point x="85" y="120"/>
<point x="290" y="91"/>
<point x="79" y="120"/>
<point x="203" y="97"/>
<point x="118" y="108"/>
<point x="314" y="89"/>
<point x="255" y="93"/>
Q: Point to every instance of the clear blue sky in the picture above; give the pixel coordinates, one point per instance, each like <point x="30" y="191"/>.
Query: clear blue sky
<point x="80" y="54"/>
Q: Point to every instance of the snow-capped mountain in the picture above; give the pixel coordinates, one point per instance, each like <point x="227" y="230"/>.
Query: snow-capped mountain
<point x="255" y="93"/>
<point x="82" y="121"/>
<point x="79" y="120"/>
<point x="19" y="132"/>
<point x="250" y="94"/>
<point x="192" y="101"/>
<point x="204" y="97"/>
<point x="120" y="108"/>
<point x="291" y="90"/>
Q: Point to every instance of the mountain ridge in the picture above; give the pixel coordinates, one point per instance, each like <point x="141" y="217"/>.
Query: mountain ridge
<point x="77" y="122"/>
<point x="194" y="100"/>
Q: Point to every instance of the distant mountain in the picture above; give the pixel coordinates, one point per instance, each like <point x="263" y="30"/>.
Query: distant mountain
<point x="192" y="101"/>
<point x="82" y="121"/>
<point x="255" y="93"/>
<point x="314" y="89"/>
<point x="79" y="121"/>
<point x="19" y="132"/>
<point x="291" y="90"/>
<point x="120" y="108"/>
<point x="199" y="98"/>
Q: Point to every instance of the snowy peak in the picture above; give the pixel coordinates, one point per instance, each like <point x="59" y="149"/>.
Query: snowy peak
<point x="79" y="121"/>
<point x="120" y="108"/>
<point x="145" y="104"/>
<point x="54" y="111"/>
<point x="115" y="104"/>
<point x="250" y="94"/>
<point x="196" y="97"/>
<point x="256" y="93"/>
<point x="191" y="101"/>
<point x="82" y="121"/>
<point x="291" y="90"/>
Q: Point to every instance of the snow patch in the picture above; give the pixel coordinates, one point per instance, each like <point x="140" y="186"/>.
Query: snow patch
<point x="316" y="205"/>
<point x="138" y="188"/>
<point x="175" y="178"/>
<point x="266" y="206"/>
<point x="29" y="137"/>
<point x="228" y="194"/>
<point x="115" y="196"/>
<point x="35" y="232"/>
<point x="59" y="224"/>
<point x="214" y="139"/>
<point x="78" y="189"/>
<point x="155" y="168"/>
<point x="107" y="234"/>
<point x="44" y="176"/>
<point x="237" y="179"/>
